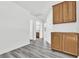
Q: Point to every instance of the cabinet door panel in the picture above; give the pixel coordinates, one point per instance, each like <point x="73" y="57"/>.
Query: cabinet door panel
<point x="55" y="41"/>
<point x="61" y="42"/>
<point x="56" y="14"/>
<point x="61" y="13"/>
<point x="70" y="43"/>
<point x="65" y="11"/>
<point x="72" y="10"/>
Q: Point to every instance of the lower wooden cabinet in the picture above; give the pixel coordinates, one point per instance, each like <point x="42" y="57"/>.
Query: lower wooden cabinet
<point x="65" y="42"/>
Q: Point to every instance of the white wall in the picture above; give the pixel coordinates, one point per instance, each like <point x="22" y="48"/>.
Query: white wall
<point x="38" y="26"/>
<point x="14" y="26"/>
<point x="64" y="27"/>
<point x="31" y="29"/>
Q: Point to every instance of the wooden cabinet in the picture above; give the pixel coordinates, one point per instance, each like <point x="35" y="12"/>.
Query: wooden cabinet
<point x="65" y="42"/>
<point x="64" y="12"/>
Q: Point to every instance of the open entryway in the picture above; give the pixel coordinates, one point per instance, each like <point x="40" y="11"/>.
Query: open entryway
<point x="36" y="30"/>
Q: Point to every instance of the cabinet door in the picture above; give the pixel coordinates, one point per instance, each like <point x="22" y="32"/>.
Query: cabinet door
<point x="65" y="11"/>
<point x="69" y="11"/>
<point x="70" y="43"/>
<point x="57" y="14"/>
<point x="55" y="41"/>
<point x="61" y="13"/>
<point x="61" y="42"/>
<point x="72" y="11"/>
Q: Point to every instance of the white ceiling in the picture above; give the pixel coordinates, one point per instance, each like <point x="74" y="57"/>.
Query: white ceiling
<point x="39" y="9"/>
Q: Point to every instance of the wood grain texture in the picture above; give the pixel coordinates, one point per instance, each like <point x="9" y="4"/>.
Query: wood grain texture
<point x="70" y="43"/>
<point x="64" y="12"/>
<point x="55" y="41"/>
<point x="65" y="42"/>
<point x="72" y="10"/>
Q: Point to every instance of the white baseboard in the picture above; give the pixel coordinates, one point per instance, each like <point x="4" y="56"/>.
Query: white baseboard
<point x="10" y="49"/>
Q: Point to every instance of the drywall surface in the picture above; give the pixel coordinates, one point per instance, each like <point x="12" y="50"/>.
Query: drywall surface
<point x="31" y="29"/>
<point x="14" y="26"/>
<point x="64" y="27"/>
<point x="77" y="14"/>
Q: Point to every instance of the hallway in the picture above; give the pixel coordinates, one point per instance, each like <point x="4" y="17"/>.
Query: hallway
<point x="37" y="49"/>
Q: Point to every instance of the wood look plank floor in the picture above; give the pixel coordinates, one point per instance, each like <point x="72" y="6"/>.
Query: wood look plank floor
<point x="37" y="49"/>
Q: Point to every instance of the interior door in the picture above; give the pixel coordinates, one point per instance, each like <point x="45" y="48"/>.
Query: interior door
<point x="37" y="34"/>
<point x="70" y="43"/>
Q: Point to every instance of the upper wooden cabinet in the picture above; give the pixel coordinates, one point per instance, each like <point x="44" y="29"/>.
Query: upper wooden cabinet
<point x="64" y="12"/>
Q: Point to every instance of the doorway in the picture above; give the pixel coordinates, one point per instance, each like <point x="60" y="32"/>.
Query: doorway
<point x="36" y="30"/>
